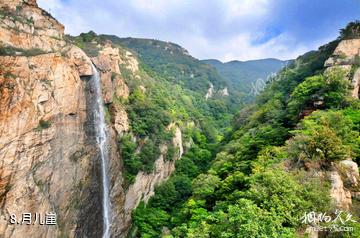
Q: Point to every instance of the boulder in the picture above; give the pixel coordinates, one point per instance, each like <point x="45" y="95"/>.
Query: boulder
<point x="340" y="196"/>
<point x="81" y="61"/>
<point x="350" y="173"/>
<point x="119" y="118"/>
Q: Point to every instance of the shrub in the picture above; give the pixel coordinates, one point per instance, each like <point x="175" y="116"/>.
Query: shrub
<point x="170" y="153"/>
<point x="148" y="155"/>
<point x="43" y="124"/>
<point x="332" y="88"/>
<point x="205" y="184"/>
<point x="127" y="150"/>
<point x="326" y="136"/>
<point x="352" y="30"/>
<point x="13" y="51"/>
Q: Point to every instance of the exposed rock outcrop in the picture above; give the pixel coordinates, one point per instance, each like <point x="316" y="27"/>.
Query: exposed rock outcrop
<point x="340" y="196"/>
<point x="43" y="110"/>
<point x="344" y="184"/>
<point x="346" y="51"/>
<point x="81" y="61"/>
<point x="27" y="27"/>
<point x="143" y="187"/>
<point x="48" y="153"/>
<point x="108" y="62"/>
<point x="120" y="119"/>
<point x="356" y="84"/>
<point x="46" y="150"/>
<point x="224" y="92"/>
<point x="130" y="61"/>
<point x="210" y="91"/>
<point x="347" y="57"/>
<point x="350" y="173"/>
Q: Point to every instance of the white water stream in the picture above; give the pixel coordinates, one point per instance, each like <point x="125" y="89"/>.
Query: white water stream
<point x="101" y="139"/>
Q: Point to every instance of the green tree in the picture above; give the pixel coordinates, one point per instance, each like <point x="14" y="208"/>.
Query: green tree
<point x="204" y="185"/>
<point x="151" y="225"/>
<point x="332" y="88"/>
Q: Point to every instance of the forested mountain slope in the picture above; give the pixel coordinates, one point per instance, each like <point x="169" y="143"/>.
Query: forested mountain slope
<point x="173" y="62"/>
<point x="292" y="152"/>
<point x="158" y="135"/>
<point x="49" y="141"/>
<point x="242" y="75"/>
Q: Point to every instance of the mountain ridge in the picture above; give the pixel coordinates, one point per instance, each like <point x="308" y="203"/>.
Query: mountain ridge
<point x="177" y="167"/>
<point x="242" y="75"/>
<point x="243" y="61"/>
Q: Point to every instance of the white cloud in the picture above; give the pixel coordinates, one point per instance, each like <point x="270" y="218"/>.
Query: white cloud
<point x="222" y="29"/>
<point x="245" y="8"/>
<point x="239" y="47"/>
<point x="157" y="8"/>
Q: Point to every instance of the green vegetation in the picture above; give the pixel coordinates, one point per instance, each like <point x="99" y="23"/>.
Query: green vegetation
<point x="262" y="179"/>
<point x="351" y="31"/>
<point x="252" y="175"/>
<point x="242" y="75"/>
<point x="107" y="114"/>
<point x="325" y="136"/>
<point x="10" y="75"/>
<point x="131" y="161"/>
<point x="16" y="16"/>
<point x="171" y="152"/>
<point x="154" y="103"/>
<point x="152" y="110"/>
<point x="43" y="125"/>
<point x="172" y="62"/>
<point x="13" y="51"/>
<point x="253" y="179"/>
<point x="88" y="42"/>
<point x="330" y="89"/>
<point x="166" y="205"/>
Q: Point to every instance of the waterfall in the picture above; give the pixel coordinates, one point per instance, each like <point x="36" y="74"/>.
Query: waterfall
<point x="101" y="139"/>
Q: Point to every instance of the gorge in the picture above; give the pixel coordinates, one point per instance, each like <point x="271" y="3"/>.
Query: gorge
<point x="128" y="137"/>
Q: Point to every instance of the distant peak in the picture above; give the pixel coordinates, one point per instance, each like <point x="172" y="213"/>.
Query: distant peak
<point x="212" y="61"/>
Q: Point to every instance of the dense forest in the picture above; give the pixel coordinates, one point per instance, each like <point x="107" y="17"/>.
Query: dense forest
<point x="244" y="76"/>
<point x="264" y="175"/>
<point x="254" y="174"/>
<point x="132" y="137"/>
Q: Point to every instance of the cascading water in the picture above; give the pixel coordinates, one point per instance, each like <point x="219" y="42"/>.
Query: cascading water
<point x="101" y="139"/>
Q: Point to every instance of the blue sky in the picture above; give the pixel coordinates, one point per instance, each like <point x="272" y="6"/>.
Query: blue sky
<point x="220" y="29"/>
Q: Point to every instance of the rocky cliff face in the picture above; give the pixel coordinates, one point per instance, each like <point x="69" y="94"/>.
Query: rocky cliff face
<point x="45" y="153"/>
<point x="49" y="158"/>
<point x="344" y="179"/>
<point x="108" y="62"/>
<point x="210" y="91"/>
<point x="347" y="56"/>
<point x="345" y="184"/>
<point x="143" y="187"/>
<point x="344" y="190"/>
<point x="26" y="26"/>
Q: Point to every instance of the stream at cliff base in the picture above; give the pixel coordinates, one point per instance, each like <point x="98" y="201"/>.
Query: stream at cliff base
<point x="101" y="139"/>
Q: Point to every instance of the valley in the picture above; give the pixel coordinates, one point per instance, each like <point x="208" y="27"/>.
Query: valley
<point x="134" y="137"/>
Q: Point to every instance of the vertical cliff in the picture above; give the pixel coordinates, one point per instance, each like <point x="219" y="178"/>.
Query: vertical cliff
<point x="46" y="145"/>
<point x="48" y="153"/>
<point x="347" y="56"/>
